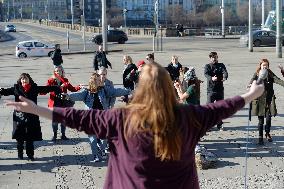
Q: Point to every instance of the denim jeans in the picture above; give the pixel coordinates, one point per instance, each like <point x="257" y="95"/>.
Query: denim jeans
<point x="55" y="128"/>
<point x="97" y="146"/>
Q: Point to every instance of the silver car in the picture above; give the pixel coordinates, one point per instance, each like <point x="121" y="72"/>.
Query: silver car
<point x="10" y="28"/>
<point x="260" y="38"/>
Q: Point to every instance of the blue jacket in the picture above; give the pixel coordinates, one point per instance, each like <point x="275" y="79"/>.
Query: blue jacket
<point x="107" y="95"/>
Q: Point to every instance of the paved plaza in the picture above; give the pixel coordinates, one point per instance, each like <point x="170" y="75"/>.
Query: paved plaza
<point x="66" y="164"/>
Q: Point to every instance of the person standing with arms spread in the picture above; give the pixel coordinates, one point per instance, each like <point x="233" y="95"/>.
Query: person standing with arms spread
<point x="56" y="56"/>
<point x="26" y="127"/>
<point x="58" y="79"/>
<point x="100" y="59"/>
<point x="152" y="140"/>
<point x="216" y="73"/>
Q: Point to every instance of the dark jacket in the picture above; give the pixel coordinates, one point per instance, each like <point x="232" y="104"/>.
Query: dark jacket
<point x="129" y="82"/>
<point x="174" y="71"/>
<point x="132" y="162"/>
<point x="266" y="102"/>
<point x="100" y="60"/>
<point x="219" y="70"/>
<point x="26" y="126"/>
<point x="57" y="57"/>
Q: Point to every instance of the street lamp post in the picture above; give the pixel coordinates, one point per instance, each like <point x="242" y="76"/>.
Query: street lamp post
<point x="32" y="10"/>
<point x="223" y="18"/>
<point x="250" y="44"/>
<point x="279" y="28"/>
<point x="104" y="24"/>
<point x="124" y="16"/>
<point x="72" y="14"/>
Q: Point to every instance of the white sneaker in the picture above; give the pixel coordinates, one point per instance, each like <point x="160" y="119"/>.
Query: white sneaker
<point x="96" y="159"/>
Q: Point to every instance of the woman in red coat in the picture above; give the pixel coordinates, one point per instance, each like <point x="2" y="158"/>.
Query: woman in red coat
<point x="58" y="79"/>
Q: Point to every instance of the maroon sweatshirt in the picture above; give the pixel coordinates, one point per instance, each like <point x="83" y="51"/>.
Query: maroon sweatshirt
<point x="132" y="163"/>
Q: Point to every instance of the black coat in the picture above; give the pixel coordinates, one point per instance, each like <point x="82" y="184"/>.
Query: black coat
<point x="100" y="60"/>
<point x="219" y="70"/>
<point x="57" y="57"/>
<point x="174" y="71"/>
<point x="27" y="126"/>
<point x="129" y="82"/>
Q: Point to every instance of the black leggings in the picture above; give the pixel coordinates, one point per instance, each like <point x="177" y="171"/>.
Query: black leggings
<point x="261" y="123"/>
<point x="29" y="147"/>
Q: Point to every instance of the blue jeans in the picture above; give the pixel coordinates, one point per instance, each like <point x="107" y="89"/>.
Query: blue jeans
<point x="55" y="128"/>
<point x="97" y="145"/>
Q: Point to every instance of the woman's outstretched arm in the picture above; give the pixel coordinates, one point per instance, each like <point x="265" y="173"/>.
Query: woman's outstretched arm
<point x="30" y="107"/>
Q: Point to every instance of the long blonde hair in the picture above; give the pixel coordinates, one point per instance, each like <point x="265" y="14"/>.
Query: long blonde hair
<point x="93" y="85"/>
<point x="153" y="109"/>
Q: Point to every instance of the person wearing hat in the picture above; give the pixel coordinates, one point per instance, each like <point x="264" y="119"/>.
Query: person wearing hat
<point x="192" y="93"/>
<point x="216" y="73"/>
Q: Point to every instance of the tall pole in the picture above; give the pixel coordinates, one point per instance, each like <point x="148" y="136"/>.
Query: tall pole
<point x="223" y="18"/>
<point x="72" y="14"/>
<point x="8" y="11"/>
<point x="84" y="25"/>
<point x="279" y="28"/>
<point x="157" y="22"/>
<point x="47" y="9"/>
<point x="21" y="11"/>
<point x="124" y="16"/>
<point x="14" y="9"/>
<point x="262" y="14"/>
<point x="32" y="10"/>
<point x="104" y="24"/>
<point x="250" y="44"/>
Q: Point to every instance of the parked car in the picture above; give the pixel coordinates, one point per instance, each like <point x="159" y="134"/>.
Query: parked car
<point x="112" y="36"/>
<point x="260" y="38"/>
<point x="33" y="48"/>
<point x="10" y="28"/>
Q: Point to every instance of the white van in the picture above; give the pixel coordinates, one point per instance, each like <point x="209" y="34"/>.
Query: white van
<point x="33" y="48"/>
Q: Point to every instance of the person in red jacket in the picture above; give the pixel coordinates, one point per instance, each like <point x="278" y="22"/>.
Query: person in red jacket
<point x="58" y="79"/>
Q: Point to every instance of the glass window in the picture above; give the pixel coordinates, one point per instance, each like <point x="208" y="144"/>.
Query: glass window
<point x="28" y="44"/>
<point x="38" y="44"/>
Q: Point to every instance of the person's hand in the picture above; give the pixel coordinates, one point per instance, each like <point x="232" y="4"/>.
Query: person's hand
<point x="25" y="105"/>
<point x="255" y="91"/>
<point x="214" y="78"/>
<point x="177" y="85"/>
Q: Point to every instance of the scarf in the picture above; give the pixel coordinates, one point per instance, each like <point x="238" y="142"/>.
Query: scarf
<point x="27" y="87"/>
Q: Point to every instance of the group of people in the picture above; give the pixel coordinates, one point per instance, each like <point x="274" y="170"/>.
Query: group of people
<point x="151" y="140"/>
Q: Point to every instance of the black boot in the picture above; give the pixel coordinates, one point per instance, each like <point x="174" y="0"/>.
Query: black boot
<point x="260" y="141"/>
<point x="20" y="155"/>
<point x="268" y="137"/>
<point x="54" y="137"/>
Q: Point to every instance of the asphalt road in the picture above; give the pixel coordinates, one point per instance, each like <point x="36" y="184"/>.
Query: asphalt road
<point x="52" y="35"/>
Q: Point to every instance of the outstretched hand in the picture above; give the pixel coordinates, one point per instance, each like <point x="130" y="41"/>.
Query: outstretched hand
<point x="25" y="105"/>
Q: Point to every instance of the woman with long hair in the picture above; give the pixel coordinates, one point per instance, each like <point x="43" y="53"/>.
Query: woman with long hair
<point x="100" y="97"/>
<point x="265" y="106"/>
<point x="26" y="127"/>
<point x="152" y="139"/>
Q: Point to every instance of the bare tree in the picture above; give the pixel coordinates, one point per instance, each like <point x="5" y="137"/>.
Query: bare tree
<point x="242" y="13"/>
<point x="212" y="16"/>
<point x="176" y="14"/>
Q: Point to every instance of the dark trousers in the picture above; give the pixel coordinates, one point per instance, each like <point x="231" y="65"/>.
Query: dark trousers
<point x="261" y="123"/>
<point x="55" y="128"/>
<point x="213" y="97"/>
<point x="29" y="148"/>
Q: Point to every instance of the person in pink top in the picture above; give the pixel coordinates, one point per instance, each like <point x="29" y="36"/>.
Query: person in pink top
<point x="152" y="139"/>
